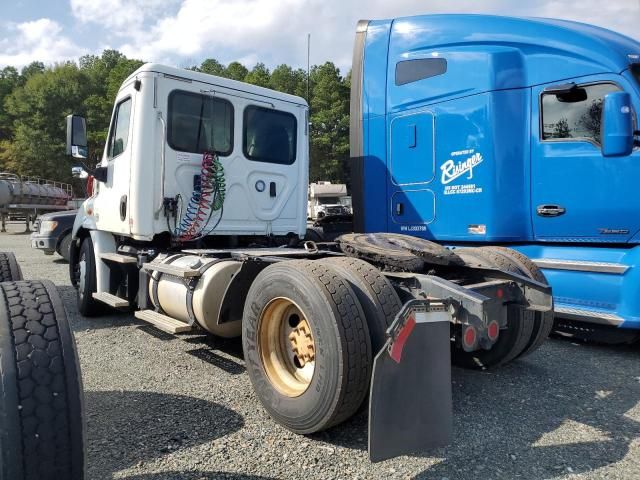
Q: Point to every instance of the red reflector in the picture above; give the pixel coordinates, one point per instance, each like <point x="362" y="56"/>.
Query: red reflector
<point x="493" y="331"/>
<point x="395" y="351"/>
<point x="470" y="337"/>
<point x="500" y="293"/>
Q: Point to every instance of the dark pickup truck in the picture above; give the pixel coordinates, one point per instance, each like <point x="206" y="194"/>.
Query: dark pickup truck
<point x="52" y="233"/>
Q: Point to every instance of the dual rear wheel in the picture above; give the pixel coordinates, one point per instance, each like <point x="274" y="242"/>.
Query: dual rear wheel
<point x="310" y="331"/>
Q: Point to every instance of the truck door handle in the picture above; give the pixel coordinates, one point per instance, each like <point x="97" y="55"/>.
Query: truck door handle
<point x="551" y="210"/>
<point x="123" y="208"/>
<point x="272" y="189"/>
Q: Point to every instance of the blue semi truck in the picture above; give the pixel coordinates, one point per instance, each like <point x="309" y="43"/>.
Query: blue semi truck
<point x="484" y="130"/>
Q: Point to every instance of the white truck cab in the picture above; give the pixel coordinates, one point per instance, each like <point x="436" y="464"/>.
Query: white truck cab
<point x="165" y="118"/>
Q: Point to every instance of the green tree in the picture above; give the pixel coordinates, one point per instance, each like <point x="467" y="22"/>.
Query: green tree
<point x="212" y="67"/>
<point x="9" y="80"/>
<point x="259" y="76"/>
<point x="34" y="68"/>
<point x="39" y="108"/>
<point x="329" y="145"/>
<point x="236" y="71"/>
<point x="286" y="79"/>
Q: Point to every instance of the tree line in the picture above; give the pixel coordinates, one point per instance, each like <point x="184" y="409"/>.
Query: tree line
<point x="35" y="100"/>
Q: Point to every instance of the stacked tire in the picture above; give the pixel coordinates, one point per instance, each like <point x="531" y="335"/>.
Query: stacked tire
<point x="41" y="425"/>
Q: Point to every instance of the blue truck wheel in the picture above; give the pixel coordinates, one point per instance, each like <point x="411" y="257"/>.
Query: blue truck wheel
<point x="513" y="339"/>
<point x="543" y="323"/>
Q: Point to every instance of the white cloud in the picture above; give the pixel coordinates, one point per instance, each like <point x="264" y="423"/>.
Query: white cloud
<point x="274" y="31"/>
<point x="121" y="16"/>
<point x="40" y="40"/>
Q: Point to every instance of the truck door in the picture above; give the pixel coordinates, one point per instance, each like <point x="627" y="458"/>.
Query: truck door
<point x="577" y="194"/>
<point x="411" y="167"/>
<point x="112" y="204"/>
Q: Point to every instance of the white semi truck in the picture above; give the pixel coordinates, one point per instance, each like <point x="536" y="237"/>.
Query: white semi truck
<point x="196" y="224"/>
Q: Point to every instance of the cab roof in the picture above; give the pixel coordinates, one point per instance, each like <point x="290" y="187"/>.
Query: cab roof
<point x="214" y="80"/>
<point x="550" y="49"/>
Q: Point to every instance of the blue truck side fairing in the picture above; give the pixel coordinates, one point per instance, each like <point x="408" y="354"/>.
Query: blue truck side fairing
<point x="459" y="138"/>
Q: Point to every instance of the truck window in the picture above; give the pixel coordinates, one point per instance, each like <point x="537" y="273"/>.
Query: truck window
<point x="120" y="129"/>
<point x="199" y="123"/>
<point x="409" y="71"/>
<point x="269" y="135"/>
<point x="575" y="115"/>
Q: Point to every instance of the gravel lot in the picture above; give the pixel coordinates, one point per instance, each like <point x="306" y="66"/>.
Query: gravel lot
<point x="159" y="407"/>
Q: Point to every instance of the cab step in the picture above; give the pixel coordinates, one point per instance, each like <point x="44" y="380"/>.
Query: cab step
<point x="174" y="270"/>
<point x="163" y="322"/>
<point x="118" y="258"/>
<point x="111" y="300"/>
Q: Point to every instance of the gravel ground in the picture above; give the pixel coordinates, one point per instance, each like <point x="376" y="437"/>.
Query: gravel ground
<point x="159" y="407"/>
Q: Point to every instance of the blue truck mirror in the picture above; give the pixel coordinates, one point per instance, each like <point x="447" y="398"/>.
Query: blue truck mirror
<point x="76" y="136"/>
<point x="617" y="125"/>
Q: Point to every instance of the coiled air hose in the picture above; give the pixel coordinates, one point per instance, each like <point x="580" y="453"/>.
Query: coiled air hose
<point x="206" y="200"/>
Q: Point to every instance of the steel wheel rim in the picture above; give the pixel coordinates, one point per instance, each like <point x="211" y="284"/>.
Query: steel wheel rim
<point x="286" y="347"/>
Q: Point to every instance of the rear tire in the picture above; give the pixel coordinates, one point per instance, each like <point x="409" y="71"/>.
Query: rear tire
<point x="87" y="282"/>
<point x="376" y="295"/>
<point x="41" y="426"/>
<point x="543" y="323"/>
<point x="292" y="294"/>
<point x="10" y="271"/>
<point x="513" y="339"/>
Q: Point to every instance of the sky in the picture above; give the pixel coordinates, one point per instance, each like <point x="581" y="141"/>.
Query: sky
<point x="185" y="32"/>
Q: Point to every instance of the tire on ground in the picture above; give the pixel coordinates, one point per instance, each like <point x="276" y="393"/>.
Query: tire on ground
<point x="379" y="300"/>
<point x="41" y="426"/>
<point x="342" y="367"/>
<point x="87" y="286"/>
<point x="10" y="271"/>
<point x="63" y="246"/>
<point x="514" y="338"/>
<point x="543" y="321"/>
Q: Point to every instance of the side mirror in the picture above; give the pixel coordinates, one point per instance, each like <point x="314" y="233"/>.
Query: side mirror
<point x="617" y="131"/>
<point x="76" y="136"/>
<point x="79" y="172"/>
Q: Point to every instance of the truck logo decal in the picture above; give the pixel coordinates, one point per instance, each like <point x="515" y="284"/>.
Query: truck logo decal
<point x="452" y="170"/>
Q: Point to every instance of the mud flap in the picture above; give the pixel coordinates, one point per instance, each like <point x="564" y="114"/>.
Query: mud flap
<point x="410" y="407"/>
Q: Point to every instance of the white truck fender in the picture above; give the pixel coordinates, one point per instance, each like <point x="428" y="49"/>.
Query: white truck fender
<point x="84" y="220"/>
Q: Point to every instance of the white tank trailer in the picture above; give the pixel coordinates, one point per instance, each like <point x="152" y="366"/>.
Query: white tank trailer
<point x="28" y="197"/>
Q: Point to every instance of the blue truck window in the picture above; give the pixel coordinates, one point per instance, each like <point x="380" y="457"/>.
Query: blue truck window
<point x="269" y="135"/>
<point x="575" y="115"/>
<point x="199" y="123"/>
<point x="409" y="71"/>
